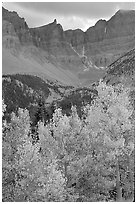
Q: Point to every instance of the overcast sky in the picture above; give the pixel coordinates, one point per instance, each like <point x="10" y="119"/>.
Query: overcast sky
<point x="70" y="15"/>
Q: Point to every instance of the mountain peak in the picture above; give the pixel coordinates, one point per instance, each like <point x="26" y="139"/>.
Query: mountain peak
<point x="100" y="22"/>
<point x="55" y="21"/>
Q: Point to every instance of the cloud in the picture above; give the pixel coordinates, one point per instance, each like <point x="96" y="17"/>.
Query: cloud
<point x="68" y="14"/>
<point x="75" y="22"/>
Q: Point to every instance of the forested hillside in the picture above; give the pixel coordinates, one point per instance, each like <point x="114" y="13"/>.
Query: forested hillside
<point x="26" y="91"/>
<point x="122" y="70"/>
<point x="86" y="158"/>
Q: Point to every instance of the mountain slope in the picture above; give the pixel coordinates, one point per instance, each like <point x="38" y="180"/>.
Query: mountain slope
<point x="122" y="70"/>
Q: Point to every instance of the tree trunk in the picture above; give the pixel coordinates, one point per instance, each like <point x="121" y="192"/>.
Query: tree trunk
<point x="131" y="177"/>
<point x="118" y="186"/>
<point x="66" y="163"/>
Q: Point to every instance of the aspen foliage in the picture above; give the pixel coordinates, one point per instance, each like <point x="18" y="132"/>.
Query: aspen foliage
<point x="75" y="159"/>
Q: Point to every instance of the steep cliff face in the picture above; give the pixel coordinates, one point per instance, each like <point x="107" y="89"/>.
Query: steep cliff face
<point x="75" y="37"/>
<point x="107" y="40"/>
<point x="12" y="16"/>
<point x="10" y="39"/>
<point x="121" y="24"/>
<point x="85" y="54"/>
<point x="97" y="32"/>
<point x="20" y="26"/>
<point x="51" y="38"/>
<point x="47" y="35"/>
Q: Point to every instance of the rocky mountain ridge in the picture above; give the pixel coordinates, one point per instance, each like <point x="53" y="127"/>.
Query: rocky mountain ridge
<point x="84" y="54"/>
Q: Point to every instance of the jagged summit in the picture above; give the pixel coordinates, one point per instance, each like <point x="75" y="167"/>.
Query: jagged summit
<point x="14" y="18"/>
<point x="55" y="21"/>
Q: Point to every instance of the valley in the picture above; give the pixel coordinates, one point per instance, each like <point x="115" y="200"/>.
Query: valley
<point x="68" y="110"/>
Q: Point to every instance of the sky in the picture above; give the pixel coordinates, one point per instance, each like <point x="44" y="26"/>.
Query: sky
<point x="71" y="15"/>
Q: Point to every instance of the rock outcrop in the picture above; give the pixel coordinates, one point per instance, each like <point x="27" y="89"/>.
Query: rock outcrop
<point x="121" y="24"/>
<point x="20" y="26"/>
<point x="96" y="33"/>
